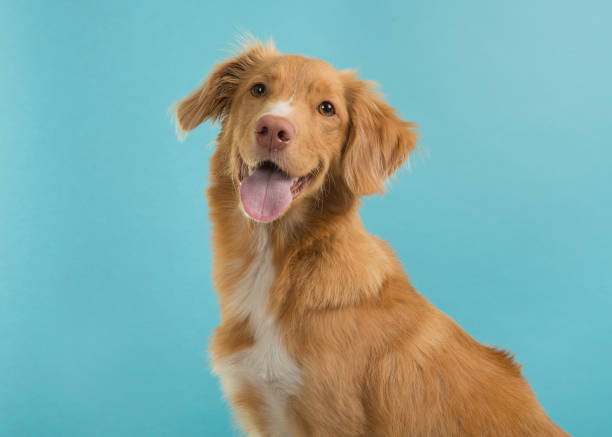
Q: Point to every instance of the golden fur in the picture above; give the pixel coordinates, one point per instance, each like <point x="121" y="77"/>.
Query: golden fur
<point x="374" y="357"/>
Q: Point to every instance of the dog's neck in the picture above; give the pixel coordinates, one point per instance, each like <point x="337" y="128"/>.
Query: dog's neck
<point x="328" y="226"/>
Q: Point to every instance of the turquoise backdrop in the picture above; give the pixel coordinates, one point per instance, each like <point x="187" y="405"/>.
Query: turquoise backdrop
<point x="503" y="222"/>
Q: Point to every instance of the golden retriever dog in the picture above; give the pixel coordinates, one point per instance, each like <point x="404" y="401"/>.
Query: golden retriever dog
<point x="322" y="333"/>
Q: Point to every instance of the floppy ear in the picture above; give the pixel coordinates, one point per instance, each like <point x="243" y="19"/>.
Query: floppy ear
<point x="213" y="98"/>
<point x="378" y="140"/>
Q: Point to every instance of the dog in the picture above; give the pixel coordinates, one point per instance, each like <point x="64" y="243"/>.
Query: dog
<point x="321" y="332"/>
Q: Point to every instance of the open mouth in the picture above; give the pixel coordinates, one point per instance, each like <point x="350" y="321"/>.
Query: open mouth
<point x="266" y="190"/>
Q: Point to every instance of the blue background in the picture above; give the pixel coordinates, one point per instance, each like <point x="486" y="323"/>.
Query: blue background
<point x="106" y="304"/>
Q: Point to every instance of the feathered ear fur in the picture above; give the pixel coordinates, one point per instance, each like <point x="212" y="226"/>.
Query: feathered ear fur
<point x="378" y="140"/>
<point x="213" y="98"/>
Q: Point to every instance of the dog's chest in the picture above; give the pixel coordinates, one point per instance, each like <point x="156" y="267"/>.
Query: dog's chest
<point x="266" y="366"/>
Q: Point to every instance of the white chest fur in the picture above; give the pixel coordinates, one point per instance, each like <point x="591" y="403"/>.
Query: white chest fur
<point x="266" y="365"/>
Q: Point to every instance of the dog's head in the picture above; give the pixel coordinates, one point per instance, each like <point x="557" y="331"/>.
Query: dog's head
<point x="292" y="123"/>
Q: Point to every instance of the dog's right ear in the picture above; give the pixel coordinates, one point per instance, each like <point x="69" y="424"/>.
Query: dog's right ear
<point x="213" y="98"/>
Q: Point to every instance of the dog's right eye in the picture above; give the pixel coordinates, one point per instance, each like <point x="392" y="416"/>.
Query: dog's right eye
<point x="258" y="90"/>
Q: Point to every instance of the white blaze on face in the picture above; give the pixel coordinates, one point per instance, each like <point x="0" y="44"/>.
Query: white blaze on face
<point x="281" y="109"/>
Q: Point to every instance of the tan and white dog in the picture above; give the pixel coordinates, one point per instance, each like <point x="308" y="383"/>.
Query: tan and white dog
<point x="322" y="333"/>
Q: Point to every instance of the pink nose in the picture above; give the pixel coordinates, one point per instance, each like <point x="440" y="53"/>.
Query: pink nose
<point x="274" y="132"/>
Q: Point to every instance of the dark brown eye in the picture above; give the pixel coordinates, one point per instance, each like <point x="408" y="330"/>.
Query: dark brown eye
<point x="326" y="109"/>
<point x="258" y="90"/>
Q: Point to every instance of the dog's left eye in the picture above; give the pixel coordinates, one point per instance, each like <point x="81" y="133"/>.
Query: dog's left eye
<point x="326" y="109"/>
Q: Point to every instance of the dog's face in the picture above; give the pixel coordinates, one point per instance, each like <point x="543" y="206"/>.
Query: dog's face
<point x="290" y="123"/>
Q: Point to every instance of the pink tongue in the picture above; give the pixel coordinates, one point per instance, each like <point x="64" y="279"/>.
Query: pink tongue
<point x="266" y="194"/>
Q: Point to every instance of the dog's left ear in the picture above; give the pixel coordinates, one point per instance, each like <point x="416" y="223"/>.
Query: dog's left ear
<point x="378" y="141"/>
<point x="213" y="98"/>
